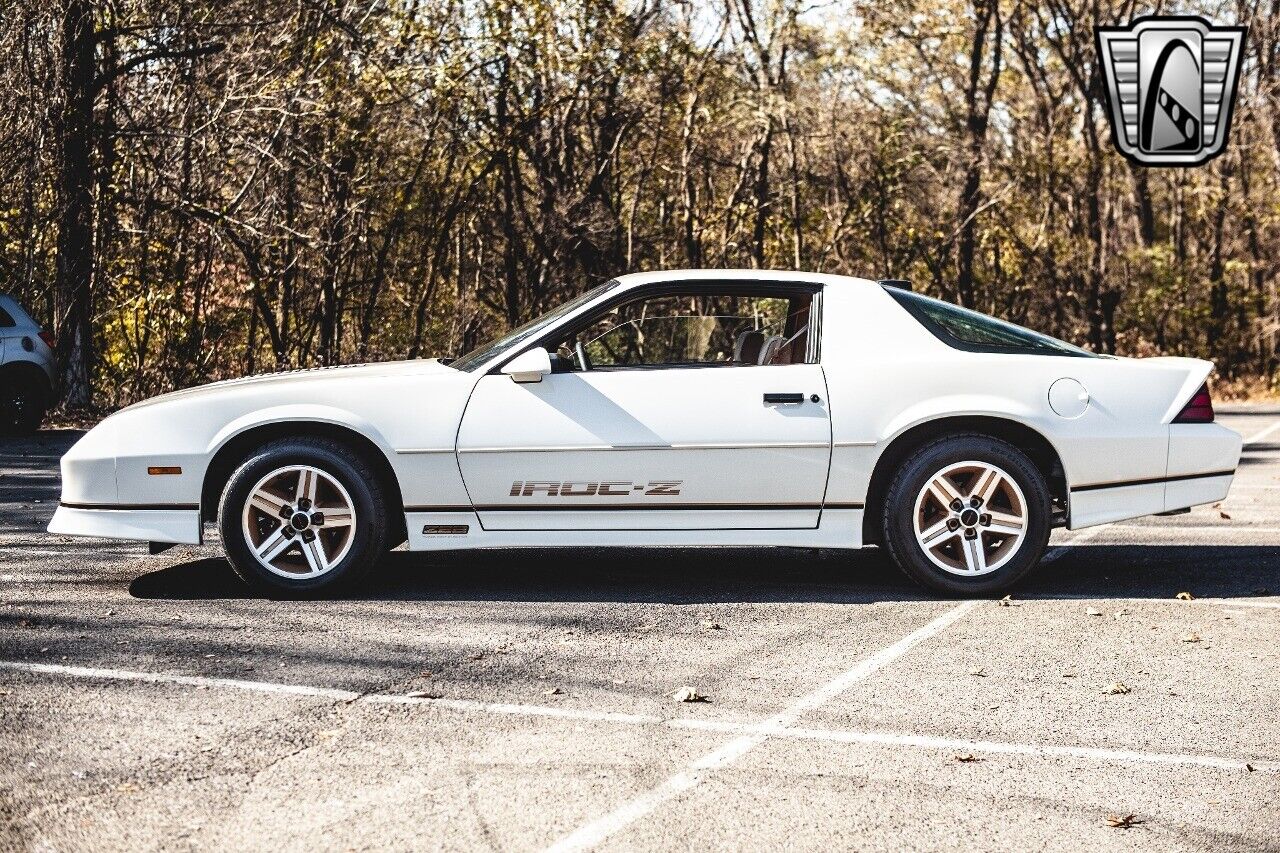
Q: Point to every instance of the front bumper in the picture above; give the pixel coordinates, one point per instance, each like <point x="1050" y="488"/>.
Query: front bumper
<point x="180" y="526"/>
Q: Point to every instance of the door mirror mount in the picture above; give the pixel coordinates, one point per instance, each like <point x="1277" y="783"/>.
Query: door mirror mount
<point x="529" y="366"/>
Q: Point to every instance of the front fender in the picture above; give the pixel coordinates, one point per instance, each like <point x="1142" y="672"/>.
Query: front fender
<point x="299" y="412"/>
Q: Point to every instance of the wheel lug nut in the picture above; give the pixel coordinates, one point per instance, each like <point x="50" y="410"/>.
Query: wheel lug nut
<point x="953" y="523"/>
<point x="308" y="535"/>
<point x="971" y="534"/>
<point x="985" y="519"/>
<point x="317" y="519"/>
<point x="957" y="505"/>
<point x="304" y="504"/>
<point x="975" y="502"/>
<point x="286" y="511"/>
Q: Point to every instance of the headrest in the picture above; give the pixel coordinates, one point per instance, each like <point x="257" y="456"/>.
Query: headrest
<point x="770" y="349"/>
<point x="746" y="350"/>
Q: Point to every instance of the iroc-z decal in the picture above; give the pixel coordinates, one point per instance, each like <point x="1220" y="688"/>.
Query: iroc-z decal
<point x="602" y="489"/>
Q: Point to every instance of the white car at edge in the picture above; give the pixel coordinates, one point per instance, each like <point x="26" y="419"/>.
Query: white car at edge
<point x="678" y="408"/>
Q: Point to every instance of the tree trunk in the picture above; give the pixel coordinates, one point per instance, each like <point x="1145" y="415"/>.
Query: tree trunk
<point x="74" y="275"/>
<point x="977" y="119"/>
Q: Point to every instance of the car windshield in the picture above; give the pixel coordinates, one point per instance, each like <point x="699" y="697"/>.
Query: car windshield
<point x="965" y="329"/>
<point x="517" y="336"/>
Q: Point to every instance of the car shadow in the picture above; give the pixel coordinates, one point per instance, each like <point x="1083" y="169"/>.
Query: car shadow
<point x="749" y="575"/>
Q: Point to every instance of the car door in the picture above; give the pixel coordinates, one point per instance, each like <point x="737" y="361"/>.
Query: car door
<point x="682" y="428"/>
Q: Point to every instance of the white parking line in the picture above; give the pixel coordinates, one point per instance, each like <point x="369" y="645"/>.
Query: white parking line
<point x="1258" y="436"/>
<point x="1057" y="552"/>
<point x="1191" y="529"/>
<point x="596" y="831"/>
<point x="1111" y="599"/>
<point x="1042" y="751"/>
<point x="191" y="680"/>
<point x="760" y="730"/>
<point x="1232" y="602"/>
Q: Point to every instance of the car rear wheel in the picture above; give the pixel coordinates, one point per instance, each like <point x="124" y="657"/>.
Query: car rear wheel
<point x="968" y="514"/>
<point x="302" y="515"/>
<point x="23" y="400"/>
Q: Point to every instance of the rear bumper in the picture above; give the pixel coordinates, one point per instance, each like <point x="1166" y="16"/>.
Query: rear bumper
<point x="177" y="525"/>
<point x="1201" y="464"/>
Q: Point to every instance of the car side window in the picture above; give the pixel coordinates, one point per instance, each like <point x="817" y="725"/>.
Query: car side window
<point x="696" y="329"/>
<point x="6" y="322"/>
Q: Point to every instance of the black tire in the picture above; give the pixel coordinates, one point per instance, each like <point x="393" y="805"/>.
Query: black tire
<point x="23" y="402"/>
<point x="899" y="519"/>
<point x="336" y="461"/>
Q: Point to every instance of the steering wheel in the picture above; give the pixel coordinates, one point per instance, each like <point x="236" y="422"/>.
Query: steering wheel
<point x="581" y="352"/>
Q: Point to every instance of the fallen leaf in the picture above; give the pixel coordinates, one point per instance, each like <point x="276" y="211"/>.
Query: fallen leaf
<point x="477" y="656"/>
<point x="1224" y="515"/>
<point x="1191" y="638"/>
<point x="1117" y="688"/>
<point x="1126" y="822"/>
<point x="1249" y="767"/>
<point x="968" y="758"/>
<point x="1007" y="601"/>
<point x="712" y="626"/>
<point x="1122" y="612"/>
<point x="978" y="671"/>
<point x="1068" y="675"/>
<point x="554" y="691"/>
<point x="1185" y="596"/>
<point x="688" y="694"/>
<point x="1092" y="611"/>
<point x="423" y="694"/>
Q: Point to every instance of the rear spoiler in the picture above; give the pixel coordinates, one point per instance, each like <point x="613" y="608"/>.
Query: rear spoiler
<point x="1197" y="374"/>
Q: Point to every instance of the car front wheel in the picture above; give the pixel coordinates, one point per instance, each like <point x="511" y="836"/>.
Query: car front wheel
<point x="302" y="515"/>
<point x="968" y="514"/>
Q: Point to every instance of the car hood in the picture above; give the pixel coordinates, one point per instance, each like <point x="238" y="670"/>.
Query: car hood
<point x="312" y="375"/>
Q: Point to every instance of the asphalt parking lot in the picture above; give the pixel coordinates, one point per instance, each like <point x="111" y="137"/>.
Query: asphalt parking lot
<point x="521" y="700"/>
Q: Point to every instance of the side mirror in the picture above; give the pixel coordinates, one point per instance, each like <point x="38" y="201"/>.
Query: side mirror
<point x="529" y="366"/>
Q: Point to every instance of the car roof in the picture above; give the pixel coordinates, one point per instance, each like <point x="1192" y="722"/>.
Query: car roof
<point x="657" y="277"/>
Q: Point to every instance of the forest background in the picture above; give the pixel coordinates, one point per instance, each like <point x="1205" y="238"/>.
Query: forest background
<point x="193" y="190"/>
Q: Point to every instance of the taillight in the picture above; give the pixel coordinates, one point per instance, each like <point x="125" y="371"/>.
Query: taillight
<point x="1199" y="410"/>
<point x="47" y="337"/>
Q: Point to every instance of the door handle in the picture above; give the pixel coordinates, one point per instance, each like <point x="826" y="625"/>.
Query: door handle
<point x="783" y="398"/>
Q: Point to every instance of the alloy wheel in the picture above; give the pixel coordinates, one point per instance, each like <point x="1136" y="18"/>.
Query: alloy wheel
<point x="299" y="522"/>
<point x="970" y="518"/>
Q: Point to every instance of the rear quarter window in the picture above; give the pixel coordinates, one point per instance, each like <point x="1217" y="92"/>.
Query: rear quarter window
<point x="968" y="330"/>
<point x="6" y="320"/>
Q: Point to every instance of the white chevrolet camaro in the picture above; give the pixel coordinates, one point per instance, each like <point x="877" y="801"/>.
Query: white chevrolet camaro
<point x="669" y="409"/>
